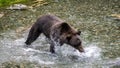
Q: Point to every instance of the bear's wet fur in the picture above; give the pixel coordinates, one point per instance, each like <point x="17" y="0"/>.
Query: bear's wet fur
<point x="57" y="31"/>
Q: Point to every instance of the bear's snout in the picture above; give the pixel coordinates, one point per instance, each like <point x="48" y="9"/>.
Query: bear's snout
<point x="80" y="49"/>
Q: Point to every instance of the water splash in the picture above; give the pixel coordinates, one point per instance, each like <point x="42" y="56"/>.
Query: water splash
<point x="92" y="53"/>
<point x="67" y="53"/>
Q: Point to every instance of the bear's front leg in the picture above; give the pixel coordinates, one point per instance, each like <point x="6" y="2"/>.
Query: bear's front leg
<point x="52" y="48"/>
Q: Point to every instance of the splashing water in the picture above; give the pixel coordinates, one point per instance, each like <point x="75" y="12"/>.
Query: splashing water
<point x="92" y="52"/>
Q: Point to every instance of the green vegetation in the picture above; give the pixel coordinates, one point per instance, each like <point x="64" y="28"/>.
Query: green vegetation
<point x="9" y="2"/>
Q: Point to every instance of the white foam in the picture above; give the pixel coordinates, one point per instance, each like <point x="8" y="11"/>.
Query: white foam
<point x="31" y="50"/>
<point x="90" y="52"/>
<point x="37" y="59"/>
<point x="19" y="41"/>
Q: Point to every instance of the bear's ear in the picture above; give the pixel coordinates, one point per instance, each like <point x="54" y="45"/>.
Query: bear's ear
<point x="79" y="32"/>
<point x="64" y="27"/>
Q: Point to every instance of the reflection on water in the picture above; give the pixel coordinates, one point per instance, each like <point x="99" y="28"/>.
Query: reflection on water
<point x="100" y="35"/>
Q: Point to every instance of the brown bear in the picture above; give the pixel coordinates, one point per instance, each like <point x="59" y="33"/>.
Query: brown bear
<point x="57" y="31"/>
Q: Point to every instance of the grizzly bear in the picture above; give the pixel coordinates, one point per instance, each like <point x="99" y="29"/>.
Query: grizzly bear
<point x="57" y="31"/>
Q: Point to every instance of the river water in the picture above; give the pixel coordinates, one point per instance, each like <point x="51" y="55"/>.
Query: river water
<point x="100" y="35"/>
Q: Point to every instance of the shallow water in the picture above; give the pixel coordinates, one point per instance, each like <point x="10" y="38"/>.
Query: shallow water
<point x="65" y="57"/>
<point x="100" y="35"/>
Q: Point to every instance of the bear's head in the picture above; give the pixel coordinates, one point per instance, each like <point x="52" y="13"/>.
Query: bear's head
<point x="70" y="36"/>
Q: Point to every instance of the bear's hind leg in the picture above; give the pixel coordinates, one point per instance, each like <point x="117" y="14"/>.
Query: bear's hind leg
<point x="33" y="35"/>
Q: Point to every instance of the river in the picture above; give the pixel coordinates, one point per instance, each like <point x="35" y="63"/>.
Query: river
<point x="97" y="19"/>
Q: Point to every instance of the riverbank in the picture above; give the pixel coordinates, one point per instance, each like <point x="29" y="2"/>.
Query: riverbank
<point x="11" y="18"/>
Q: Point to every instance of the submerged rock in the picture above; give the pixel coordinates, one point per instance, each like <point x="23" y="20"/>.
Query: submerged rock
<point x="116" y="63"/>
<point x="115" y="16"/>
<point x="1" y="15"/>
<point x="18" y="7"/>
<point x="12" y="64"/>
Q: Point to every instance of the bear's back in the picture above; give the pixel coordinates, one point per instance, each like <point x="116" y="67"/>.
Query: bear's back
<point x="46" y="22"/>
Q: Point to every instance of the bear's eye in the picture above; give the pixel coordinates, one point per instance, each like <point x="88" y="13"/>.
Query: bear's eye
<point x="68" y="38"/>
<point x="79" y="32"/>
